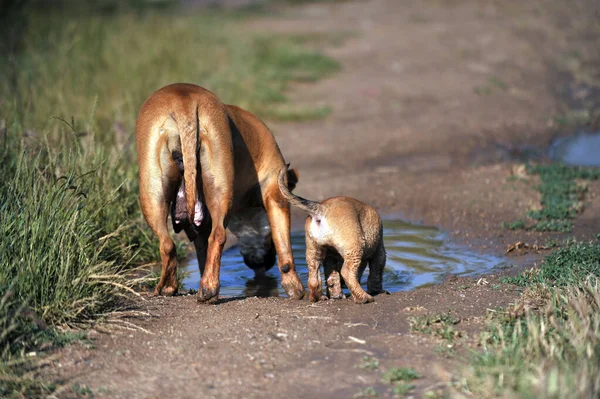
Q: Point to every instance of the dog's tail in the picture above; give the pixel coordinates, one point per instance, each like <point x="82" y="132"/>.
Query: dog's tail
<point x="188" y="126"/>
<point x="309" y="206"/>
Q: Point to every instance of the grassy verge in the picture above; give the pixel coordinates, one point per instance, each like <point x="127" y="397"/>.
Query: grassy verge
<point x="562" y="188"/>
<point x="73" y="82"/>
<point x="548" y="344"/>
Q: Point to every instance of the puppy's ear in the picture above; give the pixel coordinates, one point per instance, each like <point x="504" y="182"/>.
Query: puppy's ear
<point x="292" y="175"/>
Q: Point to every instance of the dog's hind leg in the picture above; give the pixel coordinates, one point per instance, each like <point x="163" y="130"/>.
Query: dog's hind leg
<point x="155" y="209"/>
<point x="376" y="266"/>
<point x="217" y="171"/>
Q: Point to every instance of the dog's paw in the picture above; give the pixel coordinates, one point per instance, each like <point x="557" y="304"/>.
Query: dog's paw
<point x="293" y="287"/>
<point x="296" y="293"/>
<point x="207" y="294"/>
<point x="165" y="291"/>
<point x="366" y="298"/>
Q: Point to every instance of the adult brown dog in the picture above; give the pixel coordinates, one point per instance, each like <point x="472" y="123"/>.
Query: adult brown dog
<point x="221" y="163"/>
<point x="341" y="229"/>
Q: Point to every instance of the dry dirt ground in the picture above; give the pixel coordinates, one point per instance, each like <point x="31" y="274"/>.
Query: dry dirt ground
<point x="435" y="104"/>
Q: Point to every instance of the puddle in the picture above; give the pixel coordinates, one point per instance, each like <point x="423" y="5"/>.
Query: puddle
<point x="582" y="149"/>
<point x="416" y="256"/>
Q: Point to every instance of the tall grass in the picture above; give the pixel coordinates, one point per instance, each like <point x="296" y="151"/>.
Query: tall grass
<point x="70" y="222"/>
<point x="109" y="64"/>
<point x="550" y="352"/>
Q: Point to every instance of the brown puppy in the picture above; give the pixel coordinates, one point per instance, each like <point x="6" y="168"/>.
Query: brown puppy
<point x="341" y="229"/>
<point x="217" y="164"/>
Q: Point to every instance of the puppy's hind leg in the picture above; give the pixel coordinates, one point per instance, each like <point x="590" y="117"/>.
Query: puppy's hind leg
<point x="331" y="266"/>
<point x="352" y="263"/>
<point x="314" y="258"/>
<point x="376" y="266"/>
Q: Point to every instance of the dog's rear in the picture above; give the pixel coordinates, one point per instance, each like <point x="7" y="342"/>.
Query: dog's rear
<point x="228" y="158"/>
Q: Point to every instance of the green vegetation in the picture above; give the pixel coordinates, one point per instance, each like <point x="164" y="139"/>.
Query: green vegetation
<point x="401" y="377"/>
<point x="553" y="349"/>
<point x="99" y="68"/>
<point x="365" y="393"/>
<point x="562" y="190"/>
<point x="439" y="325"/>
<point x="400" y="374"/>
<point x="369" y="363"/>
<point x="402" y="388"/>
<point x="75" y="77"/>
<point x="570" y="265"/>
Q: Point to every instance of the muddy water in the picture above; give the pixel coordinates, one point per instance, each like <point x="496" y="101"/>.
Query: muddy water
<point x="582" y="149"/>
<point x="416" y="256"/>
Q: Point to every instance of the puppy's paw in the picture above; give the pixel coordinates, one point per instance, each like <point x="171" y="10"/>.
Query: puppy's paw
<point x="336" y="295"/>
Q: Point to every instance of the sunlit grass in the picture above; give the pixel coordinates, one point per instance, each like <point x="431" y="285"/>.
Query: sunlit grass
<point x="550" y="352"/>
<point x="74" y="80"/>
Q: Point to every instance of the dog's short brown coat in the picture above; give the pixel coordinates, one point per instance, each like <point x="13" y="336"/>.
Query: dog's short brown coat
<point x="341" y="230"/>
<point x="230" y="164"/>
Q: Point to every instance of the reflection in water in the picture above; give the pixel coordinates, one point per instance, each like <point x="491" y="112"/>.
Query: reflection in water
<point x="416" y="256"/>
<point x="261" y="286"/>
<point x="582" y="149"/>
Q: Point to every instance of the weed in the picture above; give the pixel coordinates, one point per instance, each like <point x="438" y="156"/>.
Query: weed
<point x="561" y="197"/>
<point x="400" y="374"/>
<point x="369" y="363"/>
<point x="70" y="219"/>
<point x="365" y="393"/>
<point x="445" y="350"/>
<point x="402" y="388"/>
<point x="566" y="266"/>
<point x="549" y="354"/>
<point x="434" y="395"/>
<point x="82" y="390"/>
<point x="514" y="225"/>
<point x="439" y="325"/>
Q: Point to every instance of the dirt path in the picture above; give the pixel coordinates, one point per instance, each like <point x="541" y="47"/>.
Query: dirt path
<point x="433" y="107"/>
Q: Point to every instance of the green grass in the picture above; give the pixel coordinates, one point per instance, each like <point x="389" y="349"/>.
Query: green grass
<point x="368" y="392"/>
<point x="550" y="352"/>
<point x="99" y="68"/>
<point x="553" y="353"/>
<point x="570" y="265"/>
<point x="402" y="388"/>
<point x="438" y="325"/>
<point x="369" y="363"/>
<point x="562" y="194"/>
<point x="400" y="374"/>
<point x="75" y="78"/>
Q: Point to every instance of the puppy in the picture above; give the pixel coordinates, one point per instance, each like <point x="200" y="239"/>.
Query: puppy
<point x="216" y="166"/>
<point x="341" y="231"/>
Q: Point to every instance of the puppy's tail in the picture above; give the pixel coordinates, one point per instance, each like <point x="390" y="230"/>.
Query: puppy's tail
<point x="188" y="126"/>
<point x="309" y="206"/>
